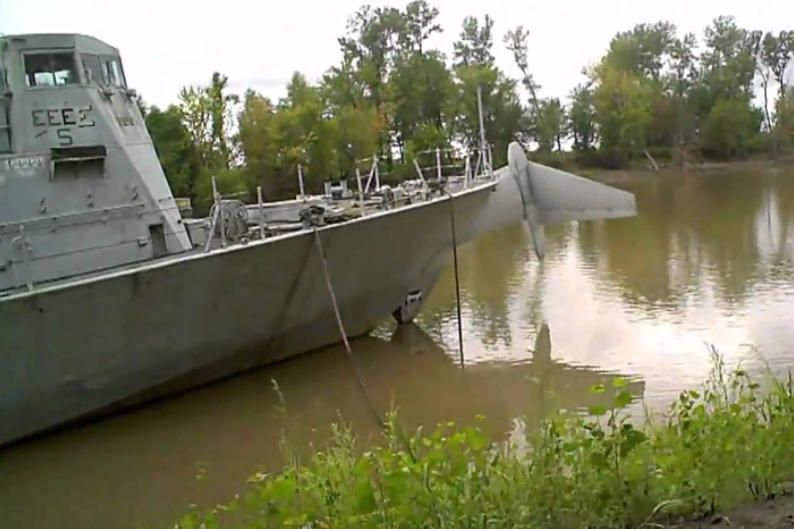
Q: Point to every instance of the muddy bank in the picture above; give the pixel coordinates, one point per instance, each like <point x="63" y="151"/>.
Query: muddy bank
<point x="774" y="514"/>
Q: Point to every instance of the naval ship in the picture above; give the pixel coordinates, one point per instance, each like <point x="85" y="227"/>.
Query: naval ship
<point x="110" y="296"/>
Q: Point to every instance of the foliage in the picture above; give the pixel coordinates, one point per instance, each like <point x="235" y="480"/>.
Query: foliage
<point x="550" y="125"/>
<point x="717" y="447"/>
<point x="622" y="102"/>
<point x="581" y="118"/>
<point x="392" y="95"/>
<point x="475" y="46"/>
<point x="175" y="149"/>
<point x="727" y="129"/>
<point x="206" y="113"/>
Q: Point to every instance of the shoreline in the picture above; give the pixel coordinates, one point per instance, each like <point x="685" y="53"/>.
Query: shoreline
<point x="593" y="469"/>
<point x="777" y="513"/>
<point x="622" y="175"/>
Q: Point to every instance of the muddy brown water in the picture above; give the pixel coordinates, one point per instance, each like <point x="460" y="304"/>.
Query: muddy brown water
<point x="709" y="260"/>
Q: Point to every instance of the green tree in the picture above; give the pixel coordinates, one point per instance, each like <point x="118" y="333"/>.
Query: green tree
<point x="776" y="53"/>
<point x="682" y="78"/>
<point x="305" y="135"/>
<point x="729" y="128"/>
<point x="643" y="50"/>
<point x="475" y="45"/>
<point x="420" y="22"/>
<point x="174" y="148"/>
<point x="420" y="88"/>
<point x="220" y="109"/>
<point x="258" y="143"/>
<point x="728" y="62"/>
<point x="475" y="69"/>
<point x="550" y="125"/>
<point x="622" y="101"/>
<point x="784" y="122"/>
<point x="194" y="106"/>
<point x="581" y="118"/>
<point x="516" y="42"/>
<point x="501" y="108"/>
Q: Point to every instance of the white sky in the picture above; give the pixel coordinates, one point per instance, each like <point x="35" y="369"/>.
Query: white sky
<point x="167" y="44"/>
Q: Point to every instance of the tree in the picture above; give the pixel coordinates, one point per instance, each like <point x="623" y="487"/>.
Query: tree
<point x="371" y="40"/>
<point x="622" y="102"/>
<point x="501" y="108"/>
<point x="784" y="122"/>
<point x="516" y="42"/>
<point x="642" y="50"/>
<point x="419" y="24"/>
<point x="194" y="107"/>
<point x="776" y="53"/>
<point x="369" y="48"/>
<point x="220" y="109"/>
<point x="729" y="60"/>
<point x="420" y="87"/>
<point x="258" y="143"/>
<point x="550" y="125"/>
<point x="581" y="118"/>
<point x="729" y="128"/>
<point x="475" y="44"/>
<point x="475" y="69"/>
<point x="174" y="148"/>
<point x="207" y="111"/>
<point x="394" y="96"/>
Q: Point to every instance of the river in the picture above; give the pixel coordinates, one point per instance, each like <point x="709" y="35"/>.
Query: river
<point x="709" y="261"/>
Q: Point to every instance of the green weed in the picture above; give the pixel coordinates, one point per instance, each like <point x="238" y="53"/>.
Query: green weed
<point x="727" y="443"/>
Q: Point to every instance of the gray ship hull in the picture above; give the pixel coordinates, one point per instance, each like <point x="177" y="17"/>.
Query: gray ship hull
<point x="78" y="348"/>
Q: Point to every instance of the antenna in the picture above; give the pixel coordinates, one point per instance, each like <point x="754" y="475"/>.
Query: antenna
<point x="484" y="149"/>
<point x="300" y="183"/>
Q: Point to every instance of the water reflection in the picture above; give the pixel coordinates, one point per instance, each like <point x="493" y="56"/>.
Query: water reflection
<point x="723" y="230"/>
<point x="710" y="260"/>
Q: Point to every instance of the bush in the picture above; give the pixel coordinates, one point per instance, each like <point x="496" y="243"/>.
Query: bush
<point x="722" y="445"/>
<point x="602" y="159"/>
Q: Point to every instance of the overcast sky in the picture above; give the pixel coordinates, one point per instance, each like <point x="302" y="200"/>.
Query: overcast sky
<point x="166" y="44"/>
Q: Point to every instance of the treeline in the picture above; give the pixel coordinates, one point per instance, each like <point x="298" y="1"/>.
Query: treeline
<point x="654" y="93"/>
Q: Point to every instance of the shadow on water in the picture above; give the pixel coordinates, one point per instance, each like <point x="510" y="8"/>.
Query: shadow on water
<point x="149" y="465"/>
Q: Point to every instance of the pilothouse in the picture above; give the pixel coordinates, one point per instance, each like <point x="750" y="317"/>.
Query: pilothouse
<point x="81" y="188"/>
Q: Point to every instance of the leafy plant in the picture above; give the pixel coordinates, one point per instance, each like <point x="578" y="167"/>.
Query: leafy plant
<point x="721" y="445"/>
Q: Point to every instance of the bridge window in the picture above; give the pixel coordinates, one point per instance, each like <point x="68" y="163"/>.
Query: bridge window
<point x="113" y="74"/>
<point x="50" y="69"/>
<point x="93" y="69"/>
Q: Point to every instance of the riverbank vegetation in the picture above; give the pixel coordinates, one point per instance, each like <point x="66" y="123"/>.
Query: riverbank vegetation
<point x="655" y="93"/>
<point x="727" y="443"/>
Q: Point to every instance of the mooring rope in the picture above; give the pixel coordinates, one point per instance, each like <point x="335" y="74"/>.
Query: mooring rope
<point x="457" y="277"/>
<point x="343" y="334"/>
<point x="332" y="295"/>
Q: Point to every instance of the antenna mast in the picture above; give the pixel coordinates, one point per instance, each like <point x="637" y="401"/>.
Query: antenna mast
<point x="484" y="149"/>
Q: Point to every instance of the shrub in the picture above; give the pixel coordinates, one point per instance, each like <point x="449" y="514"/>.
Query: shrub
<point x="718" y="446"/>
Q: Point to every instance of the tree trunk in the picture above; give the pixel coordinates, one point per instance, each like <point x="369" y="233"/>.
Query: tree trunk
<point x="765" y="81"/>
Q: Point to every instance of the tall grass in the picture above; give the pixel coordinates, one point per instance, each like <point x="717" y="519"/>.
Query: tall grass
<point x="727" y="443"/>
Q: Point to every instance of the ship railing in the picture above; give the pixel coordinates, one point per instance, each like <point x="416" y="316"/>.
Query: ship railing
<point x="453" y="167"/>
<point x="21" y="241"/>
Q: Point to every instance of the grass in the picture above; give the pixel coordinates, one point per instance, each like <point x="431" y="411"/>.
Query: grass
<point x="727" y="443"/>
